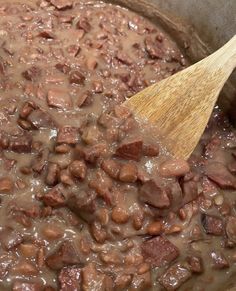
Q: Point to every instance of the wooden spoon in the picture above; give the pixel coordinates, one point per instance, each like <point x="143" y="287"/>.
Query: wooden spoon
<point x="181" y="105"/>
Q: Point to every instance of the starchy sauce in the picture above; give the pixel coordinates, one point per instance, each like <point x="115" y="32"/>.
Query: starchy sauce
<point x="90" y="199"/>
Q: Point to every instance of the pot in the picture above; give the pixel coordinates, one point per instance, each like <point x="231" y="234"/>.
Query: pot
<point x="200" y="27"/>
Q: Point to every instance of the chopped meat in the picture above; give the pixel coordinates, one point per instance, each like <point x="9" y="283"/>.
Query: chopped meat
<point x="62" y="4"/>
<point x="70" y="279"/>
<point x="21" y="143"/>
<point x="85" y="99"/>
<point x="64" y="256"/>
<point x="52" y="176"/>
<point x="124" y="58"/>
<point x="10" y="238"/>
<point x="40" y="161"/>
<point x="128" y="173"/>
<point x="153" y="49"/>
<point x="212" y="225"/>
<point x="219" y="260"/>
<point x="27" y="108"/>
<point x="218" y="173"/>
<point x="150" y="150"/>
<point x="231" y="228"/>
<point x="121" y="112"/>
<point x="174" y="168"/>
<point x="195" y="264"/>
<point x="153" y="195"/>
<point x="67" y="135"/>
<point x="82" y="201"/>
<point x="83" y="24"/>
<point x="59" y="98"/>
<point x="26" y="286"/>
<point x="130" y="150"/>
<point x="32" y="73"/>
<point x="175" y="276"/>
<point x="55" y="197"/>
<point x="93" y="153"/>
<point x="78" y="169"/>
<point x="6" y="185"/>
<point x="76" y="77"/>
<point x="159" y="251"/>
<point x="63" y="68"/>
<point x="41" y="119"/>
<point x="190" y="191"/>
<point x="47" y="34"/>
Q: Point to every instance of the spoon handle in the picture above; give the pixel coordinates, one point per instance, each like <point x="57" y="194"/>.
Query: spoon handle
<point x="181" y="105"/>
<point x="225" y="57"/>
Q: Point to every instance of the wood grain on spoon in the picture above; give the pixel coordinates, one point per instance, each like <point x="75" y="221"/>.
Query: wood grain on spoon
<point x="181" y="105"/>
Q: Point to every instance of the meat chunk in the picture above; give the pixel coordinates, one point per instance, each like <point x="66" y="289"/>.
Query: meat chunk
<point x="47" y="34"/>
<point x="174" y="168"/>
<point x="154" y="195"/>
<point x="219" y="260"/>
<point x="67" y="135"/>
<point x="159" y="251"/>
<point x="40" y="161"/>
<point x="212" y="225"/>
<point x="78" y="169"/>
<point x="76" y="77"/>
<point x="153" y="49"/>
<point x="27" y="108"/>
<point x="130" y="149"/>
<point x="190" y="191"/>
<point x="82" y="201"/>
<point x="41" y="119"/>
<point x="93" y="153"/>
<point x="64" y="68"/>
<point x="21" y="143"/>
<point x="64" y="256"/>
<point x="70" y="279"/>
<point x="218" y="173"/>
<point x="26" y="286"/>
<point x="231" y="228"/>
<point x="10" y="238"/>
<point x="175" y="276"/>
<point x="32" y="73"/>
<point x="62" y="4"/>
<point x="83" y="24"/>
<point x="59" y="98"/>
<point x="52" y="176"/>
<point x="6" y="185"/>
<point x="55" y="197"/>
<point x="195" y="264"/>
<point x="150" y="150"/>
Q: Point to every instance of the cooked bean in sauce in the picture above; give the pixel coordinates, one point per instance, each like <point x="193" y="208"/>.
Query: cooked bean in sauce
<point x="90" y="199"/>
